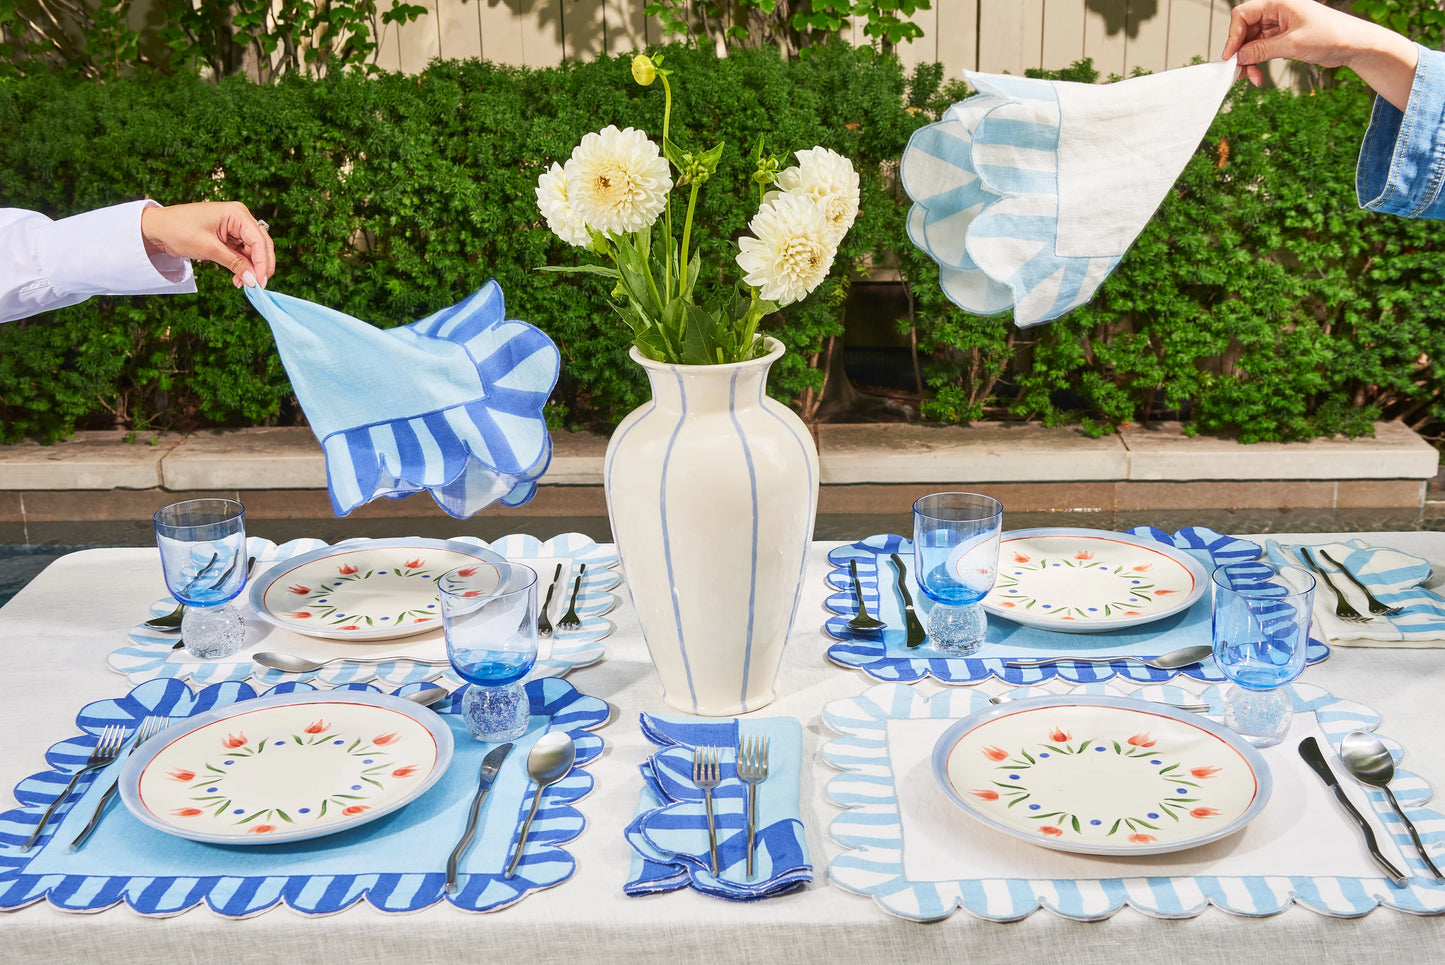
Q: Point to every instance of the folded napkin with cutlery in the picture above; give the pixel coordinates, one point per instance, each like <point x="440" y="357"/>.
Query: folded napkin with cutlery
<point x="451" y="404"/>
<point x="668" y="833"/>
<point x="1029" y="194"/>
<point x="1393" y="578"/>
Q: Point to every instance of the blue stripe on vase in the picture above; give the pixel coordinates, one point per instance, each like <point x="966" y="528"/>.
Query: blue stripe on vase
<point x="667" y="540"/>
<point x="753" y="572"/>
<point x="812" y="490"/>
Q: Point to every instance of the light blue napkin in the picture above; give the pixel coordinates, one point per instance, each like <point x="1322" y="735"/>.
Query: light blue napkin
<point x="668" y="834"/>
<point x="1396" y="579"/>
<point x="451" y="404"/>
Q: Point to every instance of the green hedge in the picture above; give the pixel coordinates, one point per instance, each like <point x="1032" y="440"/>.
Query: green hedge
<point x="1259" y="301"/>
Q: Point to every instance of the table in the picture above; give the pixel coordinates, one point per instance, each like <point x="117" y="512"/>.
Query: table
<point x="50" y="633"/>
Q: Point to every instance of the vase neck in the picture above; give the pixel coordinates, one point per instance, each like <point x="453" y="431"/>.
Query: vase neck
<point x="693" y="388"/>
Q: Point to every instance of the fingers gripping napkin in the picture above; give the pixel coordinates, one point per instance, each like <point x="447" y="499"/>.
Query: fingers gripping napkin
<point x="668" y="834"/>
<point x="451" y="404"/>
<point x="1028" y="194"/>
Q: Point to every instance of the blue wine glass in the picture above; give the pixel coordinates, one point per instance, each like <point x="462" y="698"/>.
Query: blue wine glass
<point x="955" y="555"/>
<point x="1261" y="632"/>
<point x="203" y="553"/>
<point x="489" y="612"/>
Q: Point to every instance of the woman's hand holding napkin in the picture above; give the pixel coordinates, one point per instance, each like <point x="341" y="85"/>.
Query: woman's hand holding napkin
<point x="669" y="835"/>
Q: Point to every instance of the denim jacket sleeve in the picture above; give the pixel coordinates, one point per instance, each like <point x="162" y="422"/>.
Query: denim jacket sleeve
<point x="1402" y="160"/>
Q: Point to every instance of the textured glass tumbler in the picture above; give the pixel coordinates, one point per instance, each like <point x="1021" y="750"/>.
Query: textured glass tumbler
<point x="203" y="556"/>
<point x="955" y="554"/>
<point x="1261" y="635"/>
<point x="489" y="611"/>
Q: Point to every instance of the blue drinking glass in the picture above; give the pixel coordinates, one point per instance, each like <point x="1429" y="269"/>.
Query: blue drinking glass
<point x="489" y="612"/>
<point x="955" y="554"/>
<point x="203" y="556"/>
<point x="1261" y="633"/>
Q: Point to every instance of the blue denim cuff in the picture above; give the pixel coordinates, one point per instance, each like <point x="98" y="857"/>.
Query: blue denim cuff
<point x="1402" y="158"/>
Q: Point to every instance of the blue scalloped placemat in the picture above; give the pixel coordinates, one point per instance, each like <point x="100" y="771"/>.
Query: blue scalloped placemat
<point x="871" y="830"/>
<point x="149" y="653"/>
<point x="885" y="655"/>
<point x="397" y="863"/>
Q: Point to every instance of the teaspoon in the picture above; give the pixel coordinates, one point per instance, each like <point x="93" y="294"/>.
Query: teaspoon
<point x="289" y="663"/>
<point x="1368" y="760"/>
<point x="1172" y="660"/>
<point x="550" y="760"/>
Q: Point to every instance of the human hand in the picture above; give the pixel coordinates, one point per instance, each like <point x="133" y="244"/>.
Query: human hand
<point x="1309" y="31"/>
<point x="221" y="231"/>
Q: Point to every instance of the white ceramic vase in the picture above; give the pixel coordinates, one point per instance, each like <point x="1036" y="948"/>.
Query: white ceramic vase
<point x="711" y="490"/>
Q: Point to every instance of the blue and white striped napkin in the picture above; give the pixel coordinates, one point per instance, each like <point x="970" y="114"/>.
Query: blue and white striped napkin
<point x="668" y="833"/>
<point x="451" y="404"/>
<point x="1395" y="579"/>
<point x="1029" y="194"/>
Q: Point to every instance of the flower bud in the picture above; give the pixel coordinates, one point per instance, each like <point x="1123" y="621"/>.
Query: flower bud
<point x="643" y="70"/>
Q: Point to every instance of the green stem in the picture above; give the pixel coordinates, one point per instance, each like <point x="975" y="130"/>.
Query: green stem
<point x="750" y="324"/>
<point x="686" y="236"/>
<point x="667" y="208"/>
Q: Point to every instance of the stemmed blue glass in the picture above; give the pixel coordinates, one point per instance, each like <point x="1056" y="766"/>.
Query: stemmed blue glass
<point x="955" y="553"/>
<point x="203" y="556"/>
<point x="489" y="611"/>
<point x="1261" y="634"/>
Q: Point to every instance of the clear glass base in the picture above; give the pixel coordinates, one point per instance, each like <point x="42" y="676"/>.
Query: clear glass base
<point x="1261" y="717"/>
<point x="213" y="632"/>
<point x="957" y="631"/>
<point x="496" y="713"/>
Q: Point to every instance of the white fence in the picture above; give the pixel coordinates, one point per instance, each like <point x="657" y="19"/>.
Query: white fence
<point x="991" y="35"/>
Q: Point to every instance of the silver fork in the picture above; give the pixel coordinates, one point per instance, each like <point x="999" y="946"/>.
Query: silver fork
<point x="752" y="771"/>
<point x="111" y="739"/>
<point x="544" y="625"/>
<point x="1343" y="608"/>
<point x="706" y="774"/>
<point x="1376" y="607"/>
<point x="570" y="620"/>
<point x="148" y="728"/>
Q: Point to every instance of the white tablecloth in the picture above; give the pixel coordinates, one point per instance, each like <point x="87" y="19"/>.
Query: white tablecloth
<point x="56" y="633"/>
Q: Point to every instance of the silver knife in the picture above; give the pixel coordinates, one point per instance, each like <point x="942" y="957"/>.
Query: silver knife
<point x="1309" y="749"/>
<point x="916" y="634"/>
<point x="490" y="765"/>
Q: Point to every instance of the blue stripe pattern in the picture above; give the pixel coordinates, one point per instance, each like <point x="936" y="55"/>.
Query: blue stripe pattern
<point x="545" y="862"/>
<point x="1395" y="578"/>
<point x="451" y="404"/>
<point x="871" y="831"/>
<point x="885" y="655"/>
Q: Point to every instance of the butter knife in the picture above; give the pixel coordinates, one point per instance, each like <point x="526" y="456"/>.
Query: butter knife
<point x="1309" y="749"/>
<point x="916" y="634"/>
<point x="490" y="765"/>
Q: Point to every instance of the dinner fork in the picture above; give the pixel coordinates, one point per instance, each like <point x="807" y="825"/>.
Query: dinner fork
<point x="107" y="746"/>
<point x="752" y="771"/>
<point x="544" y="625"/>
<point x="570" y="620"/>
<point x="707" y="775"/>
<point x="1376" y="607"/>
<point x="1343" y="608"/>
<point x="148" y="728"/>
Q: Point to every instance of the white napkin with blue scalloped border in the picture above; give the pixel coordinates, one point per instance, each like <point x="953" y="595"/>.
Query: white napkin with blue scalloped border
<point x="1395" y="579"/>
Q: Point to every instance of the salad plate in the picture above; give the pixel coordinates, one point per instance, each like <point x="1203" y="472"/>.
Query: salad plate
<point x="363" y="589"/>
<point x="287" y="767"/>
<point x="1101" y="775"/>
<point x="1089" y="581"/>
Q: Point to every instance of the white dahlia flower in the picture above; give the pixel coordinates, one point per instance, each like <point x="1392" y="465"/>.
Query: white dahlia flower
<point x="617" y="180"/>
<point x="791" y="254"/>
<point x="552" y="202"/>
<point x="829" y="179"/>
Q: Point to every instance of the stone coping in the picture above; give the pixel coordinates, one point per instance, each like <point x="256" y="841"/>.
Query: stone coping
<point x="874" y="454"/>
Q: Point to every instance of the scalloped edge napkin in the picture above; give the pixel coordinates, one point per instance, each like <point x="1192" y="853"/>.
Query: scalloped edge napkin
<point x="668" y="832"/>
<point x="1395" y="578"/>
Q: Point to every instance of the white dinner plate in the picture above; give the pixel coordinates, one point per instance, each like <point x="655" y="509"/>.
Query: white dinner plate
<point x="365" y="589"/>
<point x="1090" y="580"/>
<point x="287" y="767"/>
<point x="1101" y="775"/>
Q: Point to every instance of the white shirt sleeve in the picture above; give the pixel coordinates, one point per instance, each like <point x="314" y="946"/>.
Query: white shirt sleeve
<point x="47" y="264"/>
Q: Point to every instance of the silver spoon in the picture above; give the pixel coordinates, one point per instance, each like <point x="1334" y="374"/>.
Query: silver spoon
<point x="427" y="696"/>
<point x="289" y="663"/>
<point x="1368" y="760"/>
<point x="1193" y="706"/>
<point x="1172" y="660"/>
<point x="550" y="760"/>
<point x="862" y="621"/>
